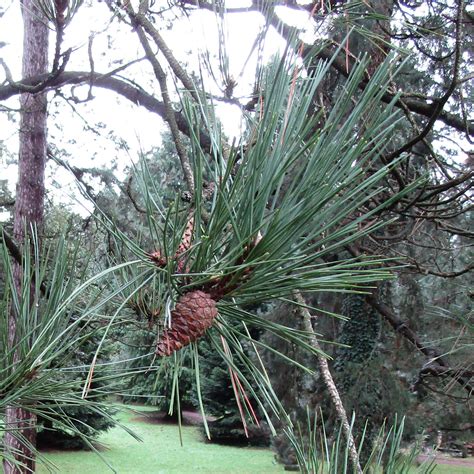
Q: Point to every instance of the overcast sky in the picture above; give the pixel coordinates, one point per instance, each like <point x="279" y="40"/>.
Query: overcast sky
<point x="85" y="133"/>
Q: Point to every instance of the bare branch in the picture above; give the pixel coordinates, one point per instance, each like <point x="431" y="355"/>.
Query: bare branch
<point x="427" y="271"/>
<point x="121" y="86"/>
<point x="441" y="102"/>
<point x="403" y="328"/>
<point x="129" y="192"/>
<point x="138" y="19"/>
<point x="418" y="106"/>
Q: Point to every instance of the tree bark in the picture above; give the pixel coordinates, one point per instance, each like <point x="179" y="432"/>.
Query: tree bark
<point x="20" y="437"/>
<point x="329" y="383"/>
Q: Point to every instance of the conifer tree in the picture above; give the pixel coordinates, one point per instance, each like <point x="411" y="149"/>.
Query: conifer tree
<point x="228" y="425"/>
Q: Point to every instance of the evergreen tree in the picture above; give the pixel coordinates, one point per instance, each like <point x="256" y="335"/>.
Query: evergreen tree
<point x="230" y="425"/>
<point x="368" y="388"/>
<point x="87" y="422"/>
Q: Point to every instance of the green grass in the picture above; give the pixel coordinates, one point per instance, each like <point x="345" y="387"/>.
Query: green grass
<point x="465" y="466"/>
<point x="161" y="452"/>
<point x="449" y="469"/>
<point x="445" y="469"/>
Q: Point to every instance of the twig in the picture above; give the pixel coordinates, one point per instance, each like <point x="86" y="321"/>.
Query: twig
<point x="141" y="20"/>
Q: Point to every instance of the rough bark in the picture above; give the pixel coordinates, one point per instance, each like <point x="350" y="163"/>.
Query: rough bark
<point x="329" y="383"/>
<point x="20" y="437"/>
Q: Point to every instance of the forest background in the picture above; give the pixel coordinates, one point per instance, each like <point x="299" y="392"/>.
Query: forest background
<point x="363" y="105"/>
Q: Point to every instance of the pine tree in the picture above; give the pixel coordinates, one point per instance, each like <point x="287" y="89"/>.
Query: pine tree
<point x="153" y="384"/>
<point x="87" y="421"/>
<point x="219" y="401"/>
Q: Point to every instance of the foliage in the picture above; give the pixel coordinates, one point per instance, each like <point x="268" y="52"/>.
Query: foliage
<point x="321" y="454"/>
<point x="359" y="333"/>
<point x="87" y="421"/>
<point x="297" y="388"/>
<point x="153" y="384"/>
<point x="219" y="400"/>
<point x="58" y="312"/>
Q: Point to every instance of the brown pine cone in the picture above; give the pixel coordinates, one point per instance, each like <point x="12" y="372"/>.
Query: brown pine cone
<point x="190" y="319"/>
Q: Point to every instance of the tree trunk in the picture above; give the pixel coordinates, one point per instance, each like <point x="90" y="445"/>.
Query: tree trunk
<point x="20" y="438"/>
<point x="329" y="383"/>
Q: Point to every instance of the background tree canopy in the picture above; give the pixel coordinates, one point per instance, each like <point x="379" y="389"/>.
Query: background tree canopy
<point x="332" y="219"/>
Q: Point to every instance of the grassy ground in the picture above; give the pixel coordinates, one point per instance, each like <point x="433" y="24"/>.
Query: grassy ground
<point x="443" y="469"/>
<point x="452" y="468"/>
<point x="161" y="452"/>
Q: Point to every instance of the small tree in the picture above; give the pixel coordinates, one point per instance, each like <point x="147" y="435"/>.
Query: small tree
<point x="88" y="422"/>
<point x="230" y="425"/>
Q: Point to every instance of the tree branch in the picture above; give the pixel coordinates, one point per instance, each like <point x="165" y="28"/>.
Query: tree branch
<point x="339" y="63"/>
<point x="138" y="19"/>
<point x="403" y="328"/>
<point x="441" y="102"/>
<point x="15" y="252"/>
<point x="328" y="380"/>
<point x="12" y="247"/>
<point x="121" y="86"/>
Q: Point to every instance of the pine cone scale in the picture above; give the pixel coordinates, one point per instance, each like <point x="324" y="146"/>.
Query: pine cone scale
<point x="193" y="315"/>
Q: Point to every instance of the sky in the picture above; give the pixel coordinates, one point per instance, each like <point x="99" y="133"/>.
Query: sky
<point x="88" y="132"/>
<point x="85" y="130"/>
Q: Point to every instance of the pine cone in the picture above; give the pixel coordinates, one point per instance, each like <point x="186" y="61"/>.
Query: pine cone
<point x="191" y="318"/>
<point x="184" y="245"/>
<point x="157" y="259"/>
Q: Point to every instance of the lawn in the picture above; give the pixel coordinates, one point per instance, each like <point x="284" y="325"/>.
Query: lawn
<point x="444" y="469"/>
<point x="161" y="452"/>
<point x="465" y="467"/>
